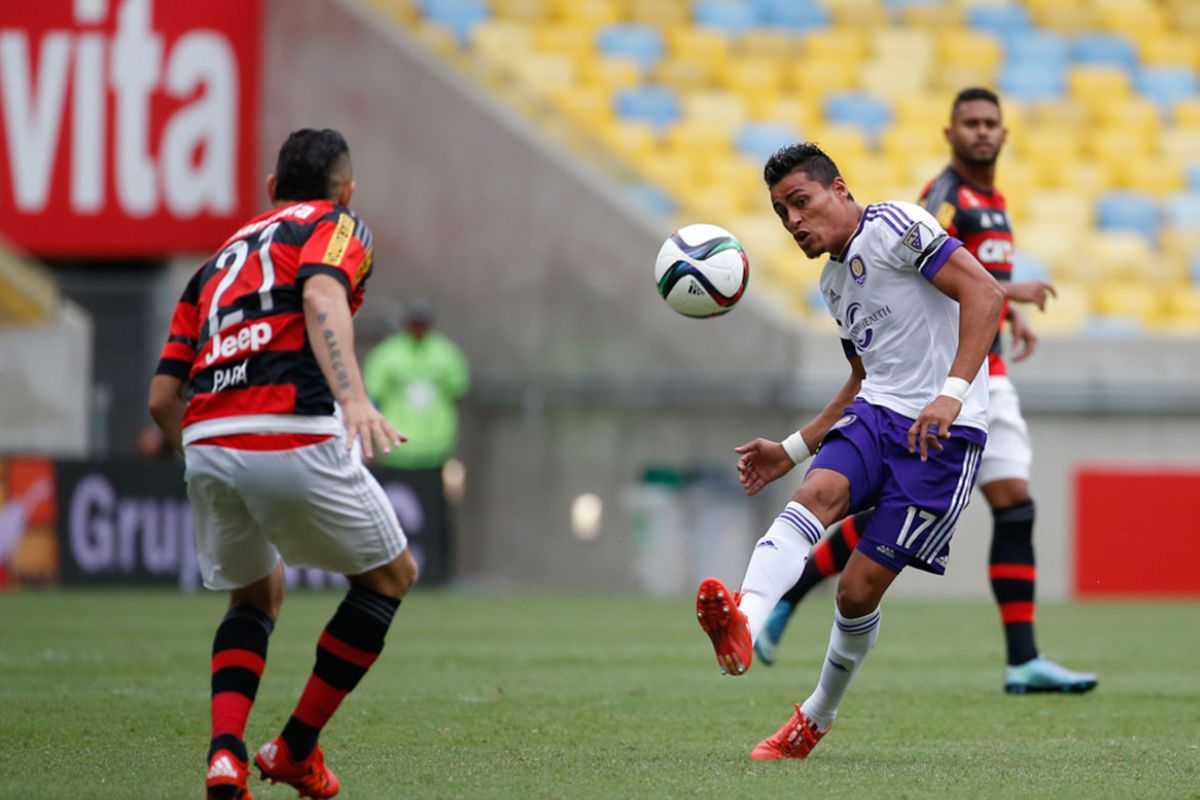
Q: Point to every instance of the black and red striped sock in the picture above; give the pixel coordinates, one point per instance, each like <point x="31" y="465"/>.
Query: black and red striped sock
<point x="829" y="556"/>
<point x="1013" y="576"/>
<point x="238" y="658"/>
<point x="348" y="647"/>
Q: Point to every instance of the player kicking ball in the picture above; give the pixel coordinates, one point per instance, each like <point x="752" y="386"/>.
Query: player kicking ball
<point x="917" y="314"/>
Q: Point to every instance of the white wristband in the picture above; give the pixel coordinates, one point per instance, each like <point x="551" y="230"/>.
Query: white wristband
<point x="956" y="388"/>
<point x="796" y="448"/>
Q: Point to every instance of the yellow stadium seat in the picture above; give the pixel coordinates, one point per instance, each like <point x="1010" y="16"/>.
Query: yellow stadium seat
<point x="1117" y="255"/>
<point x="546" y="73"/>
<point x="842" y="144"/>
<point x="591" y="13"/>
<point x="1067" y="313"/>
<point x="968" y="48"/>
<point x="521" y="10"/>
<point x="1070" y="209"/>
<point x="1181" y="145"/>
<point x="1098" y="85"/>
<point x="1058" y="248"/>
<point x="767" y="43"/>
<point x="890" y="78"/>
<point x="1182" y="309"/>
<point x="858" y="14"/>
<point x="902" y="143"/>
<point x="609" y="73"/>
<point x="1067" y="19"/>
<point x="715" y="107"/>
<point x="699" y="139"/>
<point x="905" y="45"/>
<point x="836" y="44"/>
<point x="1186" y="113"/>
<point x="1085" y="175"/>
<point x="684" y="73"/>
<point x="575" y="41"/>
<point x="709" y="201"/>
<point x="633" y="140"/>
<point x="589" y="107"/>
<point x="927" y="110"/>
<point x="672" y="171"/>
<point x="702" y="43"/>
<point x="1049" y="141"/>
<point x="666" y="14"/>
<point x="933" y="17"/>
<point x="1126" y="299"/>
<point x="1118" y="144"/>
<point x="1154" y="174"/>
<point x="802" y="111"/>
<point x="953" y="77"/>
<point x="736" y="173"/>
<point x="751" y="75"/>
<point x="1130" y="18"/>
<point x="1159" y="47"/>
<point x="1132" y="112"/>
<point x="818" y="78"/>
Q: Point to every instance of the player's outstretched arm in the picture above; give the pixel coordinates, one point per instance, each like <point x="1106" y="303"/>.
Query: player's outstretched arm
<point x="1036" y="292"/>
<point x="761" y="461"/>
<point x="331" y="335"/>
<point x="1023" y="335"/>
<point x="167" y="405"/>
<point x="980" y="301"/>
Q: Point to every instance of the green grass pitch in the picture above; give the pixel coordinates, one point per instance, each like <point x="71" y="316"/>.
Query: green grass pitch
<point x="104" y="694"/>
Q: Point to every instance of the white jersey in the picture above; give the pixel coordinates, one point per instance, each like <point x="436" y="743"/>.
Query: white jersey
<point x="890" y="314"/>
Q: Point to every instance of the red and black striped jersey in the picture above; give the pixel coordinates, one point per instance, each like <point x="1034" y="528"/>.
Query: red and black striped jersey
<point x="238" y="334"/>
<point x="980" y="219"/>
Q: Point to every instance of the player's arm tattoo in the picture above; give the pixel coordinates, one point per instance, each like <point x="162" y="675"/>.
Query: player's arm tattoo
<point x="335" y="354"/>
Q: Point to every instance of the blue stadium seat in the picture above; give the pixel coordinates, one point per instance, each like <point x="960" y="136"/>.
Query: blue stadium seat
<point x="758" y="140"/>
<point x="1193" y="176"/>
<point x="1031" y="82"/>
<point x="1166" y="84"/>
<point x="1028" y="267"/>
<point x="642" y="44"/>
<point x="858" y="109"/>
<point x="1110" y="49"/>
<point x="999" y="20"/>
<point x="650" y="198"/>
<point x="1194" y="270"/>
<point x="1128" y="211"/>
<point x="791" y="15"/>
<point x="458" y="16"/>
<point x="1183" y="210"/>
<point x="654" y="105"/>
<point x="727" y="16"/>
<point x="1036" y="47"/>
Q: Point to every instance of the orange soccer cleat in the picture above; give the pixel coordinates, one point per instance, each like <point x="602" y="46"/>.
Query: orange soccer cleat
<point x="227" y="776"/>
<point x="796" y="739"/>
<point x="309" y="776"/>
<point x="719" y="615"/>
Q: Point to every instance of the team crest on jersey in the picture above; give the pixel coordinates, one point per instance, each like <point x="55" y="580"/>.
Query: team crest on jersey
<point x="858" y="270"/>
<point x="844" y="421"/>
<point x="912" y="238"/>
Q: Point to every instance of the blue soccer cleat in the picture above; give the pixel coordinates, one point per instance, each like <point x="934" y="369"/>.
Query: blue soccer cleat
<point x="772" y="632"/>
<point x="1043" y="675"/>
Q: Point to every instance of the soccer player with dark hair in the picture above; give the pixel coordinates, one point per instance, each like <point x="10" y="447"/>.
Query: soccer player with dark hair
<point x="916" y="314"/>
<point x="966" y="202"/>
<point x="259" y="388"/>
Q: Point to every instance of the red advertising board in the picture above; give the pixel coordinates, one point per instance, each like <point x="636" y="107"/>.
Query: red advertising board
<point x="1135" y="531"/>
<point x="127" y="127"/>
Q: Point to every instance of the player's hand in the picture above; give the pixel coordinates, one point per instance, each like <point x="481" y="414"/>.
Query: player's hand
<point x="364" y="422"/>
<point x="761" y="462"/>
<point x="933" y="424"/>
<point x="1036" y="292"/>
<point x="1023" y="336"/>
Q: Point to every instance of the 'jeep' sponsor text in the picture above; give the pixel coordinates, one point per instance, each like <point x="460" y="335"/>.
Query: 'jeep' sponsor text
<point x="253" y="337"/>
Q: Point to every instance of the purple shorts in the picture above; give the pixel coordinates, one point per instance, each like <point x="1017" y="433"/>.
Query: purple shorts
<point x="916" y="504"/>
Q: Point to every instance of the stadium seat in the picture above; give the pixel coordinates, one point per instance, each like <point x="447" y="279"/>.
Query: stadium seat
<point x="836" y="44"/>
<point x="792" y="15"/>
<point x="771" y="43"/>
<point x="651" y="198"/>
<point x="699" y="139"/>
<point x="1030" y="82"/>
<point x="758" y="140"/>
<point x="633" y="140"/>
<point x="859" y="110"/>
<point x="688" y="41"/>
<point x="1153" y="175"/>
<point x="1044" y="48"/>
<point x="1129" y="300"/>
<point x="1167" y="84"/>
<point x="1193" y="176"/>
<point x="1183" y="210"/>
<point x="684" y="73"/>
<point x="655" y="105"/>
<point x="521" y="10"/>
<point x="1162" y="48"/>
<point x="1127" y="211"/>
<point x="457" y="16"/>
<point x="1001" y="19"/>
<point x="818" y="78"/>
<point x="959" y="48"/>
<point x="1067" y="313"/>
<point x="1112" y="49"/>
<point x="591" y="13"/>
<point x="642" y="44"/>
<point x="728" y="17"/>
<point x="1120" y="255"/>
<point x="715" y="108"/>
<point x="753" y="75"/>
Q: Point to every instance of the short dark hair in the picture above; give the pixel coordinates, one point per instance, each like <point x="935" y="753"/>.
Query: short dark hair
<point x="974" y="93"/>
<point x="804" y="156"/>
<point x="304" y="170"/>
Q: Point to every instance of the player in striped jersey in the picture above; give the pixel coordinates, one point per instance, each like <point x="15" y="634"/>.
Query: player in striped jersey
<point x="259" y="388"/>
<point x="904" y="435"/>
<point x="967" y="203"/>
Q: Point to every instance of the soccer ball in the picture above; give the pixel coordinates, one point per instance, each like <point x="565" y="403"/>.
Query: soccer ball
<point x="701" y="270"/>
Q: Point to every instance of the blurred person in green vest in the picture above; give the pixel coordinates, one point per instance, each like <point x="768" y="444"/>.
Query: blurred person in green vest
<point x="415" y="377"/>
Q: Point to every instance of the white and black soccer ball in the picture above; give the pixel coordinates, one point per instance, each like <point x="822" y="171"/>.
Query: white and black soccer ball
<point x="701" y="270"/>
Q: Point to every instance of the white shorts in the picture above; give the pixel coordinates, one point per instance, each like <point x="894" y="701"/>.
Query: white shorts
<point x="316" y="506"/>
<point x="1008" y="453"/>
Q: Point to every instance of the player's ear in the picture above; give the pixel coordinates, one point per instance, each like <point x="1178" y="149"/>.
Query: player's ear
<point x="271" y="188"/>
<point x="839" y="188"/>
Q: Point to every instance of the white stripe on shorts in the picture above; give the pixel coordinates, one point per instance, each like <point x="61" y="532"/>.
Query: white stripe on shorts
<point x="942" y="532"/>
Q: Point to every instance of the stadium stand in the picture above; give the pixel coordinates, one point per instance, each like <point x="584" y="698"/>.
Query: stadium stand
<point x="685" y="99"/>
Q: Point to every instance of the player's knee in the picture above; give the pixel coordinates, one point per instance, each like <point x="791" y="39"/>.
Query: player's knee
<point x="856" y="598"/>
<point x="828" y="502"/>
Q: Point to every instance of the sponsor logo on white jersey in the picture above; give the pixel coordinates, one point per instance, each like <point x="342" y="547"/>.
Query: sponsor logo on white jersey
<point x="253" y="337"/>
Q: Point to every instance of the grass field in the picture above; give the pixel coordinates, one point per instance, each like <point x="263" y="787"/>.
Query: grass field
<point x="104" y="694"/>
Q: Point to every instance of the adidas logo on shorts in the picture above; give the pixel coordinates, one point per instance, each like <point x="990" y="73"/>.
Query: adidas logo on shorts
<point x="887" y="551"/>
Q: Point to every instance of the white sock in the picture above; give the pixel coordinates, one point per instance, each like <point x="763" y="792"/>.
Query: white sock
<point x="777" y="562"/>
<point x="849" y="642"/>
